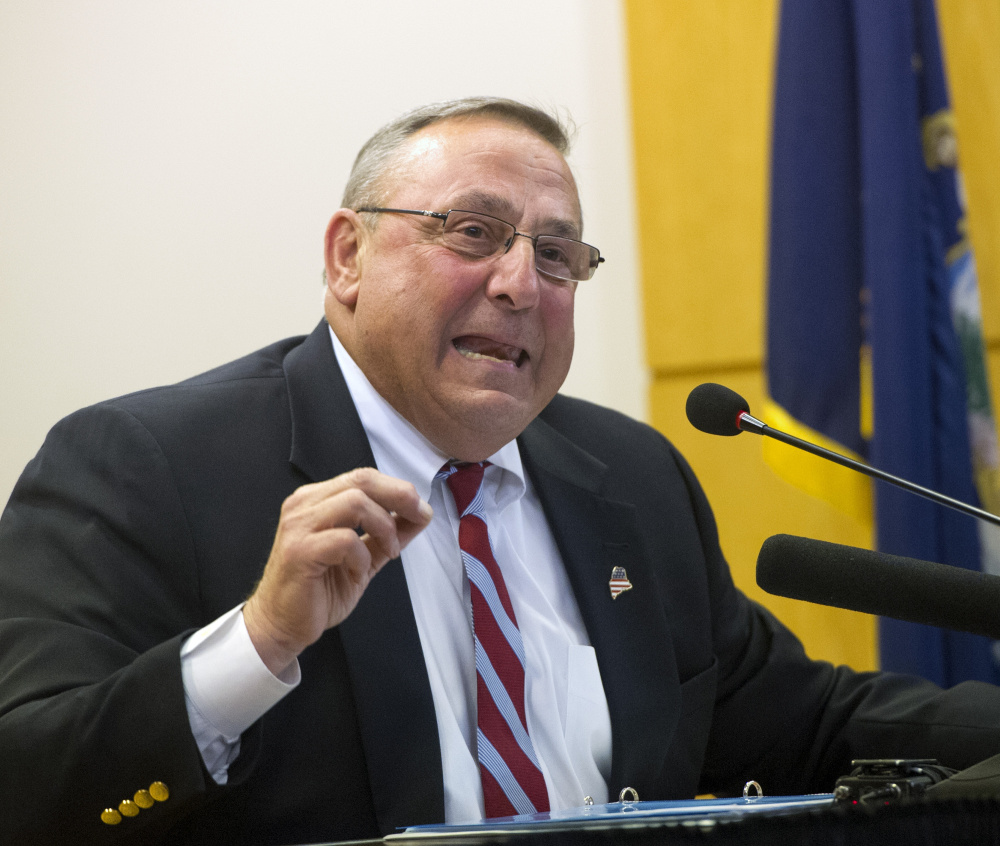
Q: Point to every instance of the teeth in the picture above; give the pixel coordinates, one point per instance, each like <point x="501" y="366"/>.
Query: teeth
<point x="478" y="356"/>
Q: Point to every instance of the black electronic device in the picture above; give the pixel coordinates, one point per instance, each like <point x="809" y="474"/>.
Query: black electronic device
<point x="888" y="780"/>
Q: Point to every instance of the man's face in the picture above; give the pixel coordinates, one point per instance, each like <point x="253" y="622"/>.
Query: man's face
<point x="469" y="350"/>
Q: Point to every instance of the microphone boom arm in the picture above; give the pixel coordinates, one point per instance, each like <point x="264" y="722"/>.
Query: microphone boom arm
<point x="748" y="423"/>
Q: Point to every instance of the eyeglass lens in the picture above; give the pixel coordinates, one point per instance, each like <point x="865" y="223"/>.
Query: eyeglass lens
<point x="481" y="236"/>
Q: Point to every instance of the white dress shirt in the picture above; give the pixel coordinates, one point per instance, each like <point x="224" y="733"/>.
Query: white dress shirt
<point x="567" y="712"/>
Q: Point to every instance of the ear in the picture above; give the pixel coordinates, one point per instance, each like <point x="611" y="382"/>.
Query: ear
<point x="343" y="247"/>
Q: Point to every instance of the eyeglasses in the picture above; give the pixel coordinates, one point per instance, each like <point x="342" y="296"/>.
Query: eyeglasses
<point x="483" y="236"/>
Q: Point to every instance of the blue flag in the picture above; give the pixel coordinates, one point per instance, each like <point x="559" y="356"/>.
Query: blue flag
<point x="874" y="333"/>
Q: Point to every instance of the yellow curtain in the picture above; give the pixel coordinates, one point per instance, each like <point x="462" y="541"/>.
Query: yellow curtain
<point x="701" y="85"/>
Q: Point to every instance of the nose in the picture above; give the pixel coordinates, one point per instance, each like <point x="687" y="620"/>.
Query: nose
<point x="514" y="279"/>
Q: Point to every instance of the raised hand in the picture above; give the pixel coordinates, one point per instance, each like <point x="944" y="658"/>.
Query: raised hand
<point x="320" y="565"/>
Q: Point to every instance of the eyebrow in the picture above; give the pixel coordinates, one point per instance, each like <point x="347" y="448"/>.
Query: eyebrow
<point x="487" y="203"/>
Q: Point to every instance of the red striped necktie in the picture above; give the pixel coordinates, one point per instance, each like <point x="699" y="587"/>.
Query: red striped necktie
<point x="512" y="779"/>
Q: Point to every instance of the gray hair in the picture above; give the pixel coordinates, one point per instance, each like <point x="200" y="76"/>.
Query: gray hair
<point x="367" y="186"/>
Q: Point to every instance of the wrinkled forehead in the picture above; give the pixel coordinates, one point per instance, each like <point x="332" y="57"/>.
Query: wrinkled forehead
<point x="489" y="165"/>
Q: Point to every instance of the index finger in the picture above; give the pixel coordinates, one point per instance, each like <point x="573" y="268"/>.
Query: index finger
<point x="396" y="496"/>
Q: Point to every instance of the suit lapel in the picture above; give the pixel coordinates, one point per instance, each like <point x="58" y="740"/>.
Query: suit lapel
<point x="630" y="634"/>
<point x="388" y="677"/>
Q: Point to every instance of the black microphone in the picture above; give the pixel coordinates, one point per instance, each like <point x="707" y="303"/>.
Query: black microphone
<point x="717" y="410"/>
<point x="875" y="583"/>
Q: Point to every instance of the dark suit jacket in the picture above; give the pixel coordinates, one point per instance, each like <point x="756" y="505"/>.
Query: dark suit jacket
<point x="144" y="518"/>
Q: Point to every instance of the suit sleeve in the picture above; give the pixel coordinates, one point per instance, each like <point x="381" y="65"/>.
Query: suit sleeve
<point x="794" y="724"/>
<point x="98" y="586"/>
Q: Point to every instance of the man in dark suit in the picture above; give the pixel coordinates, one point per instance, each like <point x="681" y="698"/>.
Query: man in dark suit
<point x="142" y="698"/>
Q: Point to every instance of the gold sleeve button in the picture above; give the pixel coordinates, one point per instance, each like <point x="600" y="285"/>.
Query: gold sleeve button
<point x="143" y="799"/>
<point x="159" y="791"/>
<point x="109" y="816"/>
<point x="128" y="808"/>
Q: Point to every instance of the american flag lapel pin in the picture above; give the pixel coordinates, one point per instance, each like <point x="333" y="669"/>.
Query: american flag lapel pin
<point x="619" y="582"/>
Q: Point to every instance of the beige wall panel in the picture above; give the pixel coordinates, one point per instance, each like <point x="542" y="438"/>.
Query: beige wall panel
<point x="751" y="503"/>
<point x="167" y="171"/>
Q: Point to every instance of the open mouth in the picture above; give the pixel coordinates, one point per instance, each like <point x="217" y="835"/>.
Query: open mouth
<point x="478" y="348"/>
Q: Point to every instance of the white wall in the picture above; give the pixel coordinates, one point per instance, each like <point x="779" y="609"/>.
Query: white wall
<point x="167" y="171"/>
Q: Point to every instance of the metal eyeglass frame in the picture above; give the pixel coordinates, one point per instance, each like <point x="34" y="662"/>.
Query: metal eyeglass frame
<point x="443" y="217"/>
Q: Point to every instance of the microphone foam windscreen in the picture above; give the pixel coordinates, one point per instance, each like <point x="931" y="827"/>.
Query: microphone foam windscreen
<point x="715" y="409"/>
<point x="876" y="583"/>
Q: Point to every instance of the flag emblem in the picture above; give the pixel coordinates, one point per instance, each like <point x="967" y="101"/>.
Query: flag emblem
<point x="619" y="582"/>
